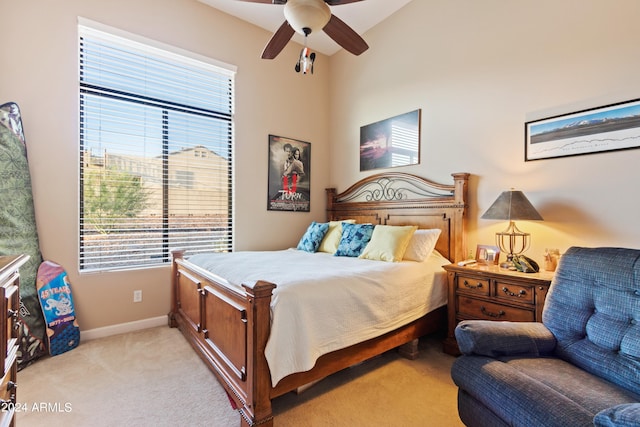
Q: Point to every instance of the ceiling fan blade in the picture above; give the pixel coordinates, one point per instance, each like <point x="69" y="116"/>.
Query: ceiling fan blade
<point x="344" y="35"/>
<point x="278" y="41"/>
<point x="339" y="2"/>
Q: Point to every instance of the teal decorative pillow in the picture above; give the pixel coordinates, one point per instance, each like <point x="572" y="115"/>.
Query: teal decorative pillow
<point x="312" y="238"/>
<point x="354" y="239"/>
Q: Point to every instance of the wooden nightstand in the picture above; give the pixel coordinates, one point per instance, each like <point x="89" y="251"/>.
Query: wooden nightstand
<point x="493" y="293"/>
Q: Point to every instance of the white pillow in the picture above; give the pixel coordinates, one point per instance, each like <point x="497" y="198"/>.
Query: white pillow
<point x="422" y="244"/>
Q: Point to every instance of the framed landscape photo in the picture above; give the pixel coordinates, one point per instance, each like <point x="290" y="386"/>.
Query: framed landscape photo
<point x="391" y="142"/>
<point x="609" y="128"/>
<point x="289" y="187"/>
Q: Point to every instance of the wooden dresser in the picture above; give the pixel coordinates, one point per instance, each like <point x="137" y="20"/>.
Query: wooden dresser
<point x="492" y="293"/>
<point x="10" y="304"/>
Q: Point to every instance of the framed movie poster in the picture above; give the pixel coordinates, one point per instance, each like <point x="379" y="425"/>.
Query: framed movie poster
<point x="289" y="175"/>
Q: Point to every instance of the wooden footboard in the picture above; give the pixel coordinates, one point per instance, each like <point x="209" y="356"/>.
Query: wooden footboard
<point x="229" y="326"/>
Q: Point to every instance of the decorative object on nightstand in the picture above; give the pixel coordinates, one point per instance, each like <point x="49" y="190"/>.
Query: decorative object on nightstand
<point x="551" y="259"/>
<point x="489" y="255"/>
<point x="488" y="292"/>
<point x="510" y="206"/>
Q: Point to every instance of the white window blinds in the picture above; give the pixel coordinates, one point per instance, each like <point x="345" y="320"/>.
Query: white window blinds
<point x="156" y="145"/>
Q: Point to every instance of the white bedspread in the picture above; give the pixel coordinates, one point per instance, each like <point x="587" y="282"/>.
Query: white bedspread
<point x="324" y="303"/>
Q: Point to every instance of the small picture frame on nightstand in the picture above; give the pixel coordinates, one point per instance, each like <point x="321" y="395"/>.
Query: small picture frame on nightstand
<point x="487" y="255"/>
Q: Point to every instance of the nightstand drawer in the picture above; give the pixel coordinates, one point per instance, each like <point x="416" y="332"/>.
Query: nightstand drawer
<point x="473" y="285"/>
<point x="8" y="384"/>
<point x="484" y="310"/>
<point x="514" y="292"/>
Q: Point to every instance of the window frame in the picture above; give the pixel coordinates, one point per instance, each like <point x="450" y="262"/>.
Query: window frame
<point x="86" y="89"/>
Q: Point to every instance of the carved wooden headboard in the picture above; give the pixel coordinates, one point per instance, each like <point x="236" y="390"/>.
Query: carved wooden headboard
<point x="397" y="198"/>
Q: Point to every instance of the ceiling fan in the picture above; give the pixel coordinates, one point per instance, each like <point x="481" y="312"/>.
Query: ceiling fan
<point x="307" y="16"/>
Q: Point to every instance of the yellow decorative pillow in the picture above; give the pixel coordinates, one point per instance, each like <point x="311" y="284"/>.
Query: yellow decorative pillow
<point x="388" y="242"/>
<point x="331" y="239"/>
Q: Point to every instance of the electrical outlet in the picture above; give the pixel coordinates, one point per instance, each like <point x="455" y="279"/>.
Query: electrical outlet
<point x="137" y="296"/>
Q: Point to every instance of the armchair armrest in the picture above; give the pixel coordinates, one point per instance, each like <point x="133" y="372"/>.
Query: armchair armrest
<point x="624" y="415"/>
<point x="495" y="339"/>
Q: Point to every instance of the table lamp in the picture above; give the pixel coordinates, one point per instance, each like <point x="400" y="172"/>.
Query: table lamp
<point x="510" y="206"/>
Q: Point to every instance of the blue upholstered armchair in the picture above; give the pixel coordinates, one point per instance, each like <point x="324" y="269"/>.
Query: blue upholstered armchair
<point x="579" y="367"/>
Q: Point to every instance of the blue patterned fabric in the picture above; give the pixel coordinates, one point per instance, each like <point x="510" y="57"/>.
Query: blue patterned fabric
<point x="354" y="238"/>
<point x="595" y="312"/>
<point x="532" y="391"/>
<point x="310" y="241"/>
<point x="514" y="374"/>
<point x="625" y="415"/>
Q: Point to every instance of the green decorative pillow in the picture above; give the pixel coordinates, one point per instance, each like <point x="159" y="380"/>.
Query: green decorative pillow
<point x="388" y="242"/>
<point x="310" y="241"/>
<point x="332" y="238"/>
<point x="354" y="239"/>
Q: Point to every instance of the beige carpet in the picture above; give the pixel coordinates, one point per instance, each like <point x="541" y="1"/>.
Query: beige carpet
<point x="154" y="378"/>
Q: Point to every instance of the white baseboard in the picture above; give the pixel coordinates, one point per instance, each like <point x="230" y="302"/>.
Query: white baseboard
<point x="122" y="328"/>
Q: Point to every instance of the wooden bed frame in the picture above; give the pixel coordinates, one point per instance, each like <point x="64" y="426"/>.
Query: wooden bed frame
<point x="228" y="326"/>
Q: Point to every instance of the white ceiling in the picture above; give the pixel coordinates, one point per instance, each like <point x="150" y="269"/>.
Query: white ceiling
<point x="361" y="16"/>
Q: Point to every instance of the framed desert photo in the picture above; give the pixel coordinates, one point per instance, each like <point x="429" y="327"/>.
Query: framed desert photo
<point x="488" y="255"/>
<point x="289" y="175"/>
<point x="391" y="142"/>
<point x="609" y="128"/>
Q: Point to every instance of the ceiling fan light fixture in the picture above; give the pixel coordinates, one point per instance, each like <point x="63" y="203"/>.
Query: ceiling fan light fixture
<point x="306" y="16"/>
<point x="305" y="62"/>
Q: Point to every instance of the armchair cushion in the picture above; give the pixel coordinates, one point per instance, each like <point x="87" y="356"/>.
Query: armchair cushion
<point x="624" y="415"/>
<point x="500" y="339"/>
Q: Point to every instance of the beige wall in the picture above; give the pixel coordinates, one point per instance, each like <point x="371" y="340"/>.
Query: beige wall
<point x="479" y="70"/>
<point x="39" y="72"/>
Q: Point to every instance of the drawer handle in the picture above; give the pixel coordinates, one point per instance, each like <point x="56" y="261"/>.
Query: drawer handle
<point x="470" y="286"/>
<point x="490" y="314"/>
<point x="13" y="314"/>
<point x="522" y="292"/>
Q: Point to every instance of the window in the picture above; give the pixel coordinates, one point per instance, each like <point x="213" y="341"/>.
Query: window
<point x="156" y="144"/>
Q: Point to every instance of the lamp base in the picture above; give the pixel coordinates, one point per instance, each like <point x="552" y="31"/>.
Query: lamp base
<point x="512" y="242"/>
<point x="508" y="264"/>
